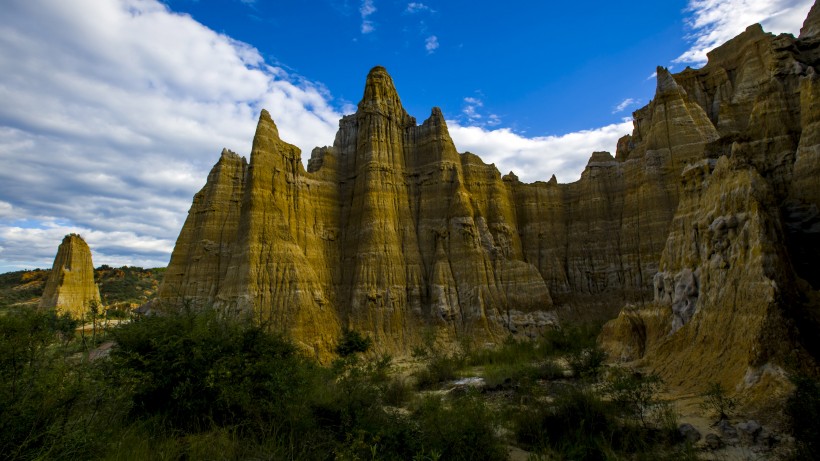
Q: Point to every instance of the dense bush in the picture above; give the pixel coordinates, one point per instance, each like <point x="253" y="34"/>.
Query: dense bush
<point x="587" y="363"/>
<point x="578" y="424"/>
<point x="352" y="342"/>
<point x="46" y="401"/>
<point x="197" y="371"/>
<point x="635" y="394"/>
<point x="803" y="411"/>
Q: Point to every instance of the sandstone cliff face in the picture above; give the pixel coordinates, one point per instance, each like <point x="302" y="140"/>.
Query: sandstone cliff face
<point x="732" y="297"/>
<point x="391" y="231"/>
<point x="70" y="287"/>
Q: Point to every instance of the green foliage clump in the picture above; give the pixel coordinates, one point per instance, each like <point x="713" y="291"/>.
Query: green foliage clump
<point x="22" y="287"/>
<point x="587" y="363"/>
<point x="578" y="425"/>
<point x="803" y="411"/>
<point x="45" y="401"/>
<point x="440" y="366"/>
<point x="120" y="287"/>
<point x="353" y="342"/>
<point x="569" y="339"/>
<point x="717" y="401"/>
<point x="635" y="394"/>
<point x="198" y="370"/>
<point x="457" y="430"/>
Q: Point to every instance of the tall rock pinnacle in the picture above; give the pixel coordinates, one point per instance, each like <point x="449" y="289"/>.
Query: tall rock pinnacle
<point x="70" y="287"/>
<point x="380" y="96"/>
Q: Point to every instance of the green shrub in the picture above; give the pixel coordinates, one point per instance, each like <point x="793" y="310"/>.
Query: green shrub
<point x="198" y="370"/>
<point x="803" y="411"/>
<point x="510" y="351"/>
<point x="717" y="401"/>
<point x="587" y="363"/>
<point x="44" y="396"/>
<point x="440" y="367"/>
<point x="569" y="339"/>
<point x="352" y="342"/>
<point x="578" y="425"/>
<point x="634" y="393"/>
<point x="459" y="430"/>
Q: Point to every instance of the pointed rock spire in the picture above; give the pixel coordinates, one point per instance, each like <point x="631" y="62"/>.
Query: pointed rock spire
<point x="811" y="26"/>
<point x="380" y="95"/>
<point x="666" y="82"/>
<point x="70" y="287"/>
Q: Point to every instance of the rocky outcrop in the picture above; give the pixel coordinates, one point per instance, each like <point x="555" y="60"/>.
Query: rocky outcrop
<point x="388" y="231"/>
<point x="735" y="290"/>
<point x="70" y="287"/>
<point x="704" y="219"/>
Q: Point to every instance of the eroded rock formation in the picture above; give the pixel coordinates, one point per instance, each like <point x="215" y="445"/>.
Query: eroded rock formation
<point x="735" y="296"/>
<point x="705" y="223"/>
<point x="70" y="287"/>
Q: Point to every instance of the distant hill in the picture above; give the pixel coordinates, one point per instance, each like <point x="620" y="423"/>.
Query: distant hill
<point x="120" y="287"/>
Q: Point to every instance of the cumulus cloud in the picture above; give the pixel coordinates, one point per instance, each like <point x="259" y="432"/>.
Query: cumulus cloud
<point x="431" y="44"/>
<point x="628" y="102"/>
<point x="417" y="7"/>
<point x="713" y="22"/>
<point x="472" y="113"/>
<point x="537" y="158"/>
<point x="366" y="10"/>
<point x="110" y="122"/>
<point x="470" y="110"/>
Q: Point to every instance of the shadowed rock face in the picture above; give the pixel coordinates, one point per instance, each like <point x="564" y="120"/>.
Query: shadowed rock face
<point x="392" y="232"/>
<point x="70" y="287"/>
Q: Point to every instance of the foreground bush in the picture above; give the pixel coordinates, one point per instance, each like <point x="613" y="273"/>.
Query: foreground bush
<point x="47" y="405"/>
<point x="197" y="370"/>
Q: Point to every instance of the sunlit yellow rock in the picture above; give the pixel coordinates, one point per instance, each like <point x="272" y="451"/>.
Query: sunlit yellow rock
<point x="70" y="287"/>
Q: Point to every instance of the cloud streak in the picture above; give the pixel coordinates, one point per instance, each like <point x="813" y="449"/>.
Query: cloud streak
<point x="628" y="102"/>
<point x="417" y="7"/>
<point x="366" y="10"/>
<point x="713" y="22"/>
<point x="111" y="121"/>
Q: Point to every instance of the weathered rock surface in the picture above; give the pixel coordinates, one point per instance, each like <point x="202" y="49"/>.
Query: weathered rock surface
<point x="70" y="287"/>
<point x="705" y="223"/>
<point x="733" y="293"/>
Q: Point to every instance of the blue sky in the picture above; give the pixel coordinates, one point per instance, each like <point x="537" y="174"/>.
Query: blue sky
<point x="114" y="110"/>
<point x="539" y="67"/>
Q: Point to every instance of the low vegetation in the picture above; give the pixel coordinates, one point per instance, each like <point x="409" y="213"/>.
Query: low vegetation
<point x="197" y="386"/>
<point x="121" y="288"/>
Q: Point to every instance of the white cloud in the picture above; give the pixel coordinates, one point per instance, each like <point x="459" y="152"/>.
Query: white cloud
<point x="367" y="9"/>
<point x="470" y="110"/>
<point x="417" y="7"/>
<point x="110" y="122"/>
<point x="624" y="104"/>
<point x="537" y="158"/>
<point x="431" y="44"/>
<point x="713" y="22"/>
